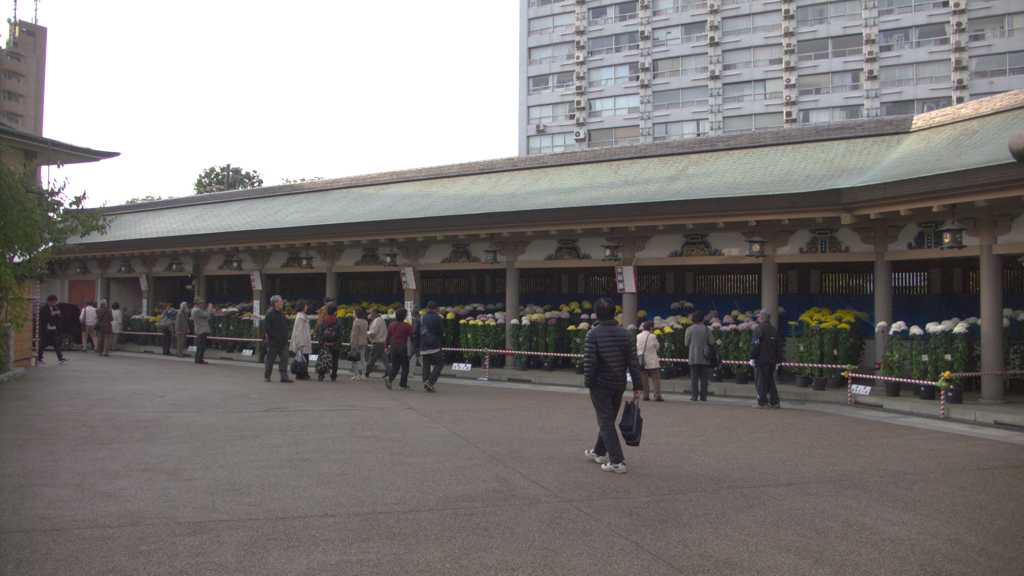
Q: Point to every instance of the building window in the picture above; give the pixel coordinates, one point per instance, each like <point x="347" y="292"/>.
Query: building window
<point x="682" y="34"/>
<point x="613" y="13"/>
<point x="825" y="48"/>
<point x="831" y="13"/>
<point x="551" y="53"/>
<point x="755" y="91"/>
<point x="614" y="106"/>
<point x="552" y="113"/>
<point x="907" y="107"/>
<point x="752" y="24"/>
<point x="11" y="118"/>
<point x="681" y="66"/>
<point x="680" y="130"/>
<point x="538" y="3"/>
<point x="13" y="57"/>
<point x="757" y="57"/>
<point x="915" y="74"/>
<point x="829" y="115"/>
<point x="607" y="75"/>
<point x="663" y="7"/>
<point x="997" y="65"/>
<point x="751" y="123"/>
<point x="622" y="136"/>
<point x="834" y="83"/>
<point x="8" y="75"/>
<point x="615" y="43"/>
<point x="12" y="97"/>
<point x="550" y="82"/>
<point x="682" y="98"/>
<point x="551" y="24"/>
<point x="933" y="104"/>
<point x="992" y="27"/>
<point x="548" y="143"/>
<point x="919" y="37"/>
<point x="888" y="7"/>
<point x="903" y="108"/>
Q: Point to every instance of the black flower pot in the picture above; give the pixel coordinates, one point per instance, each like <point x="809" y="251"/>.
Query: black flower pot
<point x="892" y="389"/>
<point x="742" y="377"/>
<point x="561" y="363"/>
<point x="818" y="383"/>
<point x="497" y="361"/>
<point x="835" y="382"/>
<point x="954" y="396"/>
<point x="521" y="365"/>
<point x="579" y="367"/>
<point x="803" y="381"/>
<point x="668" y="372"/>
<point x="549" y="365"/>
<point x="536" y="363"/>
<point x="926" y="393"/>
<point x="715" y="376"/>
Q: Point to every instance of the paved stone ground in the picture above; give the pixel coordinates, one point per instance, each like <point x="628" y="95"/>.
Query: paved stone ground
<point x="132" y="465"/>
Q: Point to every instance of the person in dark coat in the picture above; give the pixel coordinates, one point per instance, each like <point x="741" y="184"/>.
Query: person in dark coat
<point x="104" y="328"/>
<point x="765" y="355"/>
<point x="431" y="337"/>
<point x="276" y="329"/>
<point x="608" y="354"/>
<point x="49" y="314"/>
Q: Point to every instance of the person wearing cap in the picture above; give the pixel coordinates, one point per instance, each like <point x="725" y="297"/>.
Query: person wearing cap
<point x="201" y="319"/>
<point x="431" y="337"/>
<point x="322" y="313"/>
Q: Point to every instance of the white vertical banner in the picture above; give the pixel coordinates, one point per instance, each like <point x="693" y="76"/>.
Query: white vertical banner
<point x="625" y="279"/>
<point x="255" y="311"/>
<point x="143" y="282"/>
<point x="257" y="281"/>
<point x="408" y="277"/>
<point x="145" y="306"/>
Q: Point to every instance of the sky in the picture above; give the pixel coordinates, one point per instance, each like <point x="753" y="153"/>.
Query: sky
<point x="291" y="89"/>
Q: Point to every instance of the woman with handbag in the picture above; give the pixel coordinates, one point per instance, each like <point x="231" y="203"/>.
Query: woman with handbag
<point x="357" y="343"/>
<point x="301" y="344"/>
<point x="328" y="331"/>
<point x="647" y="347"/>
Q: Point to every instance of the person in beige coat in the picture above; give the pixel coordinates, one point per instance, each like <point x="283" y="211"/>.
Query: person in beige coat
<point x="358" y="341"/>
<point x="647" y="346"/>
<point x="181" y="329"/>
<point x="301" y="342"/>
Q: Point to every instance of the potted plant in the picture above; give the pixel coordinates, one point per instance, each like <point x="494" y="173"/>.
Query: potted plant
<point x="919" y="361"/>
<point x="520" y="341"/>
<point x="895" y="356"/>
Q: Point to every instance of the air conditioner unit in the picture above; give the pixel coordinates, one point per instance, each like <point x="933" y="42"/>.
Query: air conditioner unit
<point x="788" y="47"/>
<point x="959" y="25"/>
<point x="869" y="55"/>
<point x="788" y="31"/>
<point x="712" y="39"/>
<point x="580" y="58"/>
<point x="580" y="88"/>
<point x="790" y="116"/>
<point x="870" y="73"/>
<point x="960" y="82"/>
<point x="538" y="128"/>
<point x="644" y="82"/>
<point x="580" y="28"/>
<point x="959" y="45"/>
<point x="581" y="43"/>
<point x="581" y="74"/>
<point x="580" y="134"/>
<point x="713" y="72"/>
<point x="788" y="64"/>
<point x="580" y="103"/>
<point x="712" y="7"/>
<point x="869" y="38"/>
<point x="645" y="3"/>
<point x="959" y="6"/>
<point x="713" y="25"/>
<point x="788" y="13"/>
<point x="644" y="65"/>
<point x="645" y="33"/>
<point x="579" y="120"/>
<point x="959" y="63"/>
<point x="789" y="99"/>
<point x="789" y="81"/>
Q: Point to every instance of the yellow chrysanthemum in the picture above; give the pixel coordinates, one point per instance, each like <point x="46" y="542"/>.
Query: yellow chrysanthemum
<point x="668" y="330"/>
<point x="571" y="328"/>
<point x="450" y="316"/>
<point x="587" y="305"/>
<point x="463" y="322"/>
<point x="658" y="332"/>
<point x="844" y="326"/>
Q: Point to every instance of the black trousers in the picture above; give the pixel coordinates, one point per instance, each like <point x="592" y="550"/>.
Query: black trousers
<point x="49" y="338"/>
<point x="399" y="359"/>
<point x="200" y="346"/>
<point x="699" y="375"/>
<point x="280" y="354"/>
<point x="432" y="365"/>
<point x="606" y="405"/>
<point x="167" y="341"/>
<point x="764" y="380"/>
<point x="377" y="351"/>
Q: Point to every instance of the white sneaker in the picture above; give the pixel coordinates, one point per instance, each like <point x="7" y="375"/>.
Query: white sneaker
<point x="619" y="468"/>
<point x="593" y="456"/>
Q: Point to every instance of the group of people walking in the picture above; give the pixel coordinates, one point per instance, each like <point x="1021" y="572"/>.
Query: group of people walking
<point x="102" y="324"/>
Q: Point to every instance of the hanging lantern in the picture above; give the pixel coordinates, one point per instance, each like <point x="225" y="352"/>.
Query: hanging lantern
<point x="125" y="268"/>
<point x="176" y="266"/>
<point x="234" y="264"/>
<point x="951" y="235"/>
<point x="306" y="261"/>
<point x="82" y="270"/>
<point x="390" y="259"/>
<point x="490" y="256"/>
<point x="755" y="247"/>
<point x="611" y="253"/>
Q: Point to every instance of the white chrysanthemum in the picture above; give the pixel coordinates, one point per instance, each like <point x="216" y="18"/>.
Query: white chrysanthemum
<point x="687" y="304"/>
<point x="1006" y="322"/>
<point x="972" y="320"/>
<point x="526" y="321"/>
<point x="782" y="310"/>
<point x="899" y="326"/>
<point x="943" y="328"/>
<point x="930" y="325"/>
<point x="933" y="328"/>
<point x="881" y="327"/>
<point x="962" y="328"/>
<point x="515" y="321"/>
<point x="916" y="331"/>
<point x="1007" y="312"/>
<point x="948" y="324"/>
<point x="1020" y="316"/>
<point x="658" y="319"/>
<point x="955" y="320"/>
<point x="675" y="305"/>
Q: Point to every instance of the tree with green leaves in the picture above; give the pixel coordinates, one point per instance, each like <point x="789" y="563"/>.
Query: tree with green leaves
<point x="141" y="199"/>
<point x="226" y="177"/>
<point x="301" y="180"/>
<point x="35" y="225"/>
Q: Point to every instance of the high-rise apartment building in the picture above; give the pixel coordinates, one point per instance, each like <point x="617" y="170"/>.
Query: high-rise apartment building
<point x="23" y="81"/>
<point x="610" y="73"/>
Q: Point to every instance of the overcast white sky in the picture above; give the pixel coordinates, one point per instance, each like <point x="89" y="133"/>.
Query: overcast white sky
<point x="291" y="89"/>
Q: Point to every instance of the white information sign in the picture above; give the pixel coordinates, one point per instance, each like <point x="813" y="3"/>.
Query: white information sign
<point x="408" y="277"/>
<point x="143" y="282"/>
<point x="625" y="279"/>
<point x="408" y="305"/>
<point x="246" y="352"/>
<point x="256" y="280"/>
<point x="461" y="367"/>
<point x="255" y="313"/>
<point x="191" y="348"/>
<point x="864" y="390"/>
<point x="924" y="357"/>
<point x="145" y="306"/>
<point x="314" y="357"/>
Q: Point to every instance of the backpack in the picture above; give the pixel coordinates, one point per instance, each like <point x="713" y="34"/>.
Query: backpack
<point x="330" y="333"/>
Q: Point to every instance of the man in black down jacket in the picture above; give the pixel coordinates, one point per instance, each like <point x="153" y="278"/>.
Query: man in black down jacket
<point x="608" y="354"/>
<point x="765" y="354"/>
<point x="276" y="329"/>
<point x="431" y="339"/>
